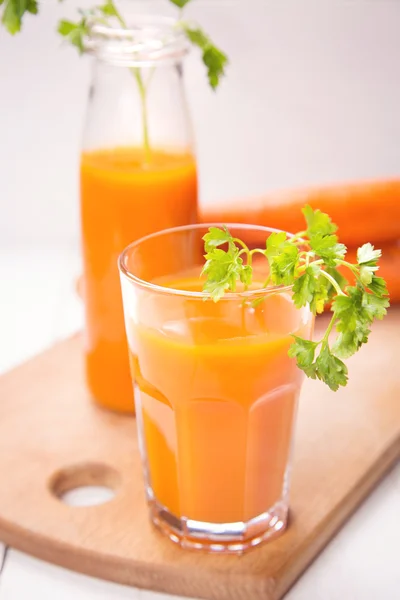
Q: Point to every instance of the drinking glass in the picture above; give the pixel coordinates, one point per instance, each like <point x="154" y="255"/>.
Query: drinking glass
<point x="215" y="391"/>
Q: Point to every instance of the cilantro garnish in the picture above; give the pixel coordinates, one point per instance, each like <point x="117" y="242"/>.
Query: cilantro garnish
<point x="308" y="261"/>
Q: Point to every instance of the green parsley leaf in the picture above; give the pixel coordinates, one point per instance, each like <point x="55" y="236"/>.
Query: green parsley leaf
<point x="347" y="309"/>
<point x="321" y="295"/>
<point x="109" y="9"/>
<point x="303" y="351"/>
<point x="217" y="288"/>
<point x="306" y="286"/>
<point x="327" y="367"/>
<point x="338" y="277"/>
<point x="284" y="266"/>
<point x="311" y="288"/>
<point x="311" y="371"/>
<point x="353" y="324"/>
<point x="282" y="257"/>
<point x="32" y="7"/>
<point x="367" y="255"/>
<point x="378" y="286"/>
<point x="214" y="59"/>
<point x="318" y="222"/>
<point x="348" y="343"/>
<point x="246" y="274"/>
<point x="328" y="248"/>
<point x="277" y="245"/>
<point x="374" y="307"/>
<point x="14" y="12"/>
<point x="216" y="237"/>
<point x="66" y="27"/>
<point x="366" y="273"/>
<point x="223" y="268"/>
<point x="74" y="32"/>
<point x="180" y="3"/>
<point x="330" y="369"/>
<point x="367" y="258"/>
<point x="276" y="241"/>
<point x="355" y="313"/>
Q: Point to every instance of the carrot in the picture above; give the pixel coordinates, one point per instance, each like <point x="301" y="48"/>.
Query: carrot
<point x="367" y="211"/>
<point x="389" y="268"/>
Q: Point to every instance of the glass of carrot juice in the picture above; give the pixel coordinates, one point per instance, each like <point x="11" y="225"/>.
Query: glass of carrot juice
<point x="215" y="392"/>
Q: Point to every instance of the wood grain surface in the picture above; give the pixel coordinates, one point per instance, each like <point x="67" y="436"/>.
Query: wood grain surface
<point x="52" y="438"/>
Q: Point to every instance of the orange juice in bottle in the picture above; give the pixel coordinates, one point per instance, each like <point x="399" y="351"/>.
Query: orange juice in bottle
<point x="137" y="176"/>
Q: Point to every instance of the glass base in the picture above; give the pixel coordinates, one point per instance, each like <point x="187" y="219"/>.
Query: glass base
<point x="222" y="538"/>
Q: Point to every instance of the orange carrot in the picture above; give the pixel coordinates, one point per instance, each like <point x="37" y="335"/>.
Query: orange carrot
<point x="389" y="268"/>
<point x="367" y="211"/>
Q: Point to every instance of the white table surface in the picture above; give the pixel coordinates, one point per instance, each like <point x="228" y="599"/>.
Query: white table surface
<point x="312" y="96"/>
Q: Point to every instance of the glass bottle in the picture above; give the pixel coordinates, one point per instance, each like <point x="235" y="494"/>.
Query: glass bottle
<point x="138" y="176"/>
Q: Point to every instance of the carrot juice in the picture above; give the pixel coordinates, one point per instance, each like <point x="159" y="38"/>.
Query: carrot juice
<point x="123" y="199"/>
<point x="216" y="397"/>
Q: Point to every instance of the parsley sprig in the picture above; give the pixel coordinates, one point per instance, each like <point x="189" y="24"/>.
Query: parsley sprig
<point x="214" y="58"/>
<point x="308" y="262"/>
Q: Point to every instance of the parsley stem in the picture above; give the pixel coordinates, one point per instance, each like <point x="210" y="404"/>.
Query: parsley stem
<point x="257" y="250"/>
<point x="244" y="246"/>
<point x="142" y="93"/>
<point x="143" y="103"/>
<point x="353" y="268"/>
<point x="118" y="15"/>
<point x="333" y="281"/>
<point x="298" y="237"/>
<point x="248" y="255"/>
<point x="324" y="340"/>
<point x="307" y="262"/>
<point x="266" y="282"/>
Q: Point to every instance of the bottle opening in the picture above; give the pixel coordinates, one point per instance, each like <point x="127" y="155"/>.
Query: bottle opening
<point x="147" y="40"/>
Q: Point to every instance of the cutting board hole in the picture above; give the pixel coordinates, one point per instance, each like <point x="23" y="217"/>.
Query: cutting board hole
<point x="88" y="495"/>
<point x="88" y="484"/>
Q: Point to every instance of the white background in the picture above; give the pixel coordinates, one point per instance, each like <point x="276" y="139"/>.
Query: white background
<point x="312" y="96"/>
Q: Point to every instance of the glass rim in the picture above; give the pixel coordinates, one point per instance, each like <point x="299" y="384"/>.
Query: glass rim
<point x="148" y="39"/>
<point x="160" y="289"/>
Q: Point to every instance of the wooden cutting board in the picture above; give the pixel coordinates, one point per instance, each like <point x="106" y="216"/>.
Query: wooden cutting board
<point x="52" y="439"/>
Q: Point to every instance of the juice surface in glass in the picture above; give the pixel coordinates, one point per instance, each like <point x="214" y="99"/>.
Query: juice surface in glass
<point x="123" y="199"/>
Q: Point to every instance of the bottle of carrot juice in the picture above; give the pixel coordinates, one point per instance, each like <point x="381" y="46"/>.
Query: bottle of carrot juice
<point x="137" y="176"/>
